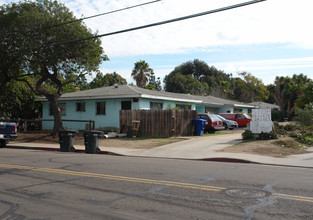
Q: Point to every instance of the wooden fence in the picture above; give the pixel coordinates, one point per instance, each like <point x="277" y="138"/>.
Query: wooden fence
<point x="159" y="123"/>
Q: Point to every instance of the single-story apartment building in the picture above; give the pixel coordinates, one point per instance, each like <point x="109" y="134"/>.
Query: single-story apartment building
<point x="102" y="105"/>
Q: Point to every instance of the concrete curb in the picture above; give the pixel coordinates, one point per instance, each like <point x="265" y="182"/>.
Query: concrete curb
<point x="228" y="160"/>
<point x="58" y="149"/>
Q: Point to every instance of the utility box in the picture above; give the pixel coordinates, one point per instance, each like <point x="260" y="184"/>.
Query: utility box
<point x="91" y="139"/>
<point x="66" y="140"/>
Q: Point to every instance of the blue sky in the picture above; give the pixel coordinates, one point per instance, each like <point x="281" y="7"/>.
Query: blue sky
<point x="267" y="39"/>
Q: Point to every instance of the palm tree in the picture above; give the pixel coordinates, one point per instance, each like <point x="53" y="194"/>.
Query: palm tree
<point x="141" y="73"/>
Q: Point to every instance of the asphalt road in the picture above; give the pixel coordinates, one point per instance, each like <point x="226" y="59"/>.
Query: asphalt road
<point x="55" y="185"/>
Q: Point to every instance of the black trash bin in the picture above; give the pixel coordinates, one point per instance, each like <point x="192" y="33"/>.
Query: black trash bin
<point x="66" y="140"/>
<point x="91" y="139"/>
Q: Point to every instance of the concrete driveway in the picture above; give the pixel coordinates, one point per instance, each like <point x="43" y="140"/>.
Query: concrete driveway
<point x="194" y="148"/>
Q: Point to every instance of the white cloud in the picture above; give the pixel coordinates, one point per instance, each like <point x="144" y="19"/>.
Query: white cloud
<point x="271" y="21"/>
<point x="264" y="68"/>
<point x="302" y="62"/>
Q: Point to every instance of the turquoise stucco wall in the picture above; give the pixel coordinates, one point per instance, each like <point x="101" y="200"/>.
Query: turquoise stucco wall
<point x="145" y="104"/>
<point x="245" y="110"/>
<point x="200" y="109"/>
<point x="113" y="106"/>
<point x="110" y="119"/>
<point x="224" y="109"/>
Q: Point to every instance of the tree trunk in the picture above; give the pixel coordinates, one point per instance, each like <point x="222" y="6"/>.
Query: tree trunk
<point x="56" y="111"/>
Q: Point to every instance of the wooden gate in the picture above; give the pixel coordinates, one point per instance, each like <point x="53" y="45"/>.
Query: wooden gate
<point x="159" y="123"/>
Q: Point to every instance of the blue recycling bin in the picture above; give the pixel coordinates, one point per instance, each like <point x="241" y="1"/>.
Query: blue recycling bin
<point x="199" y="126"/>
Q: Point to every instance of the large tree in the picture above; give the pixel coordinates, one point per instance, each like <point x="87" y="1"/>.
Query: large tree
<point x="108" y="79"/>
<point x="180" y="83"/>
<point x="34" y="52"/>
<point x="208" y="79"/>
<point x="249" y="88"/>
<point x="18" y="101"/>
<point x="141" y="73"/>
<point x="154" y="84"/>
<point x="305" y="95"/>
<point x="292" y="91"/>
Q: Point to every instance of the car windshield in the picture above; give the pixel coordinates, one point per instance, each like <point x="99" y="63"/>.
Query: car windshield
<point x="214" y="117"/>
<point x="221" y="117"/>
<point x="247" y="116"/>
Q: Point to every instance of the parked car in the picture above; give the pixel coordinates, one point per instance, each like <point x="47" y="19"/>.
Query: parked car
<point x="241" y="118"/>
<point x="213" y="123"/>
<point x="7" y="133"/>
<point x="228" y="124"/>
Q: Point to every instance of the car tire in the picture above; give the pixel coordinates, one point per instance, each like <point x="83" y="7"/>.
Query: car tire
<point x="3" y="143"/>
<point x="231" y="128"/>
<point x="226" y="127"/>
<point x="211" y="131"/>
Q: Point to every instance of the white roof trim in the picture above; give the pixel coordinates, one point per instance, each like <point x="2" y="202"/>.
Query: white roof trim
<point x="212" y="103"/>
<point x="170" y="99"/>
<point x="246" y="106"/>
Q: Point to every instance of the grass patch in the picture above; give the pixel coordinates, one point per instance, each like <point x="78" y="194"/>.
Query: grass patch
<point x="216" y="133"/>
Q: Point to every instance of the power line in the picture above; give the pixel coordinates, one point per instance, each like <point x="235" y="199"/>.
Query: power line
<point x="105" y="13"/>
<point x="93" y="16"/>
<point x="162" y="22"/>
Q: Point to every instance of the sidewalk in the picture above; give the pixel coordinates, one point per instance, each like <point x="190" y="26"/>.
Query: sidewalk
<point x="197" y="148"/>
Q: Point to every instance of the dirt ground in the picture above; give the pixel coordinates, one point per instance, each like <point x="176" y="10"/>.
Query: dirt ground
<point x="134" y="143"/>
<point x="281" y="147"/>
<point x="259" y="147"/>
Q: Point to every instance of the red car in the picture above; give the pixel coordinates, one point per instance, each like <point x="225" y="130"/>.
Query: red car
<point x="213" y="123"/>
<point x="241" y="118"/>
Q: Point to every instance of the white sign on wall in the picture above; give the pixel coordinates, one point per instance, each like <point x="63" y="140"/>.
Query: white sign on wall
<point x="261" y="121"/>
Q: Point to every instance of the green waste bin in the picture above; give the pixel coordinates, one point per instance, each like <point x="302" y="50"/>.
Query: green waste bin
<point x="129" y="131"/>
<point x="66" y="140"/>
<point x="91" y="139"/>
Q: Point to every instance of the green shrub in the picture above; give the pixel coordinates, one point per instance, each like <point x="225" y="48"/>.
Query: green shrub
<point x="267" y="136"/>
<point x="290" y="127"/>
<point x="277" y="115"/>
<point x="279" y="129"/>
<point x="305" y="137"/>
<point x="247" y="135"/>
<point x="293" y="134"/>
<point x="305" y="116"/>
